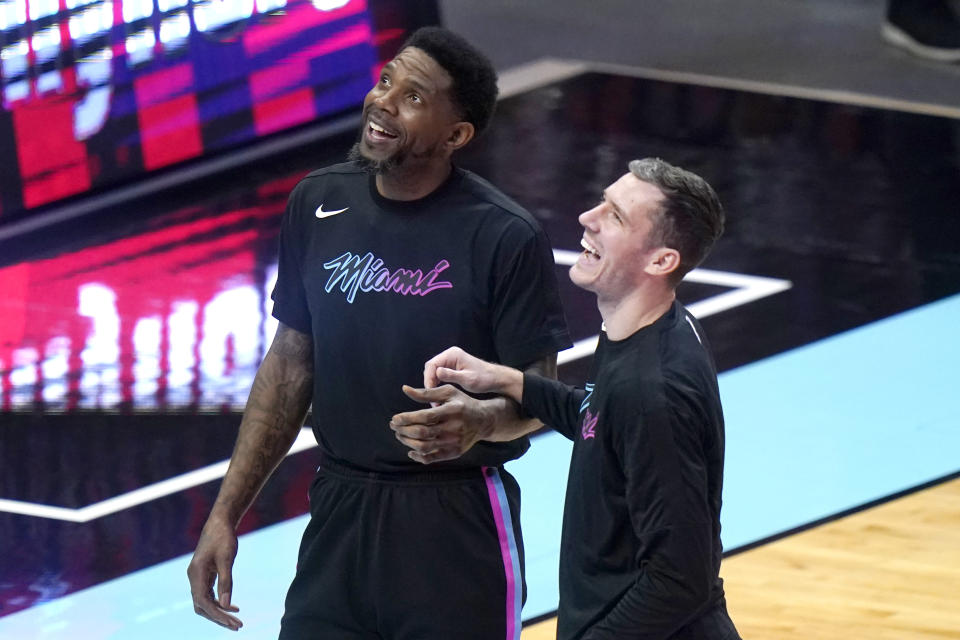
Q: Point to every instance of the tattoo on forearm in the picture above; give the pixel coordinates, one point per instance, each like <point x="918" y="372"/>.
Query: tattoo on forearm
<point x="292" y="344"/>
<point x="275" y="411"/>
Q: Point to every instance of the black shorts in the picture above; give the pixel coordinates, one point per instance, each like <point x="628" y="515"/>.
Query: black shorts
<point x="409" y="556"/>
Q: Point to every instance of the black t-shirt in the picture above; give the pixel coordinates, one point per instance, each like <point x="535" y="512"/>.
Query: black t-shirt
<point x="383" y="285"/>
<point x="640" y="555"/>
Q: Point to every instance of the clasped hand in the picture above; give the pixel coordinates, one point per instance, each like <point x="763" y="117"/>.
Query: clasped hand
<point x="455" y="420"/>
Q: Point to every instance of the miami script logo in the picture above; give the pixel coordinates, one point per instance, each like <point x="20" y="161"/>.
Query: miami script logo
<point x="367" y="273"/>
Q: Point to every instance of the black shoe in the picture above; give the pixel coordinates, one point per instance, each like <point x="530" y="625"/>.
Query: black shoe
<point x="926" y="28"/>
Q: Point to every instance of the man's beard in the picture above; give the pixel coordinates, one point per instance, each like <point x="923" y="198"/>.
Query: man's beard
<point x="394" y="162"/>
<point x="375" y="167"/>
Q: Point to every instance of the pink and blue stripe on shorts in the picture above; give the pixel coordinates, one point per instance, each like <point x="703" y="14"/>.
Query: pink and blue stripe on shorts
<point x="508" y="549"/>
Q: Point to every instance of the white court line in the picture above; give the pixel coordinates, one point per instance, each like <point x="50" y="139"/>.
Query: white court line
<point x="545" y="71"/>
<point x="777" y="89"/>
<point x="305" y="440"/>
<point x="746" y="289"/>
<point x="536" y="74"/>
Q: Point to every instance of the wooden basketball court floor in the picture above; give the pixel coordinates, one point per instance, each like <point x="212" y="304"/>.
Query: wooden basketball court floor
<point x="831" y="303"/>
<point x="888" y="572"/>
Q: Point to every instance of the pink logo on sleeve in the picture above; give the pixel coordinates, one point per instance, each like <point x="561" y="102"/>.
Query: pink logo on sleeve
<point x="367" y="273"/>
<point x="589" y="425"/>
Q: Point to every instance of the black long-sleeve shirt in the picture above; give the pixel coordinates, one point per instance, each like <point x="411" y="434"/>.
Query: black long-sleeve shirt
<point x="640" y="553"/>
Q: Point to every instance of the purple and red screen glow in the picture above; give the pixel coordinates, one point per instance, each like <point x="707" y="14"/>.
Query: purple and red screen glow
<point x="97" y="92"/>
<point x="175" y="316"/>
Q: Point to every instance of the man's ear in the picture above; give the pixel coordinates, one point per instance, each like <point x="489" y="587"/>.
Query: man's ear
<point x="460" y="134"/>
<point x="663" y="262"/>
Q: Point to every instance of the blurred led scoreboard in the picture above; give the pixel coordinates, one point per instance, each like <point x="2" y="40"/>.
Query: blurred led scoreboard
<point x="100" y="92"/>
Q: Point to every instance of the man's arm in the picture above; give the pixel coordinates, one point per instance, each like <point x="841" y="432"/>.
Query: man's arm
<point x="274" y="414"/>
<point x="457" y="421"/>
<point x="663" y="457"/>
<point x="671" y="590"/>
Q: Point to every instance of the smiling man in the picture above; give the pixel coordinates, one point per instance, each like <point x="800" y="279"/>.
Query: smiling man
<point x="640" y="549"/>
<point x="384" y="261"/>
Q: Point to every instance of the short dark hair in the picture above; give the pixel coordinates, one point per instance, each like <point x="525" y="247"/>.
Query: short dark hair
<point x="690" y="218"/>
<point x="474" y="89"/>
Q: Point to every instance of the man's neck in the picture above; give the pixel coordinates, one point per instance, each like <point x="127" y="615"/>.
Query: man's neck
<point x="413" y="183"/>
<point x="622" y="318"/>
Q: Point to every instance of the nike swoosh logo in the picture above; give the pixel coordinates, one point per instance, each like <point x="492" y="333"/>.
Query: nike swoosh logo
<point x="326" y="214"/>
